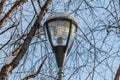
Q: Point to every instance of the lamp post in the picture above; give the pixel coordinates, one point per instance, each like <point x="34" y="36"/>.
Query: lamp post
<point x="60" y="29"/>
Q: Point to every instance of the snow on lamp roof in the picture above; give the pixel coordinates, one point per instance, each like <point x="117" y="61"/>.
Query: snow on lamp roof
<point x="63" y="15"/>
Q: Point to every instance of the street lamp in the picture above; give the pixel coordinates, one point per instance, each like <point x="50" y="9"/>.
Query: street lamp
<point x="60" y="29"/>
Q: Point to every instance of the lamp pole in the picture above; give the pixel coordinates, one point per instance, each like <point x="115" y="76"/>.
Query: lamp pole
<point x="60" y="74"/>
<point x="60" y="29"/>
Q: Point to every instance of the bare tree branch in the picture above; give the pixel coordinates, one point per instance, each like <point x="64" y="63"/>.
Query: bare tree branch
<point x="38" y="71"/>
<point x="34" y="7"/>
<point x="96" y="44"/>
<point x="39" y="4"/>
<point x="11" y="11"/>
<point x="2" y="6"/>
<point x="117" y="77"/>
<point x="9" y="67"/>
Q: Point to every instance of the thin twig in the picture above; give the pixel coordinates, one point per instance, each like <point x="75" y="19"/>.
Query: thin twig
<point x="38" y="71"/>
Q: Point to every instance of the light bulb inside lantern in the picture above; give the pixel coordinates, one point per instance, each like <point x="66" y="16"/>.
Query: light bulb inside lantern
<point x="59" y="32"/>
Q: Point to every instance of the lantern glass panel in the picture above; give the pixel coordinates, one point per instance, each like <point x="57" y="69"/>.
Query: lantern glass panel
<point x="59" y="31"/>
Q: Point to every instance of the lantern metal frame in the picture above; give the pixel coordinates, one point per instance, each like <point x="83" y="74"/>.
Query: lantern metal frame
<point x="61" y="51"/>
<point x="61" y="48"/>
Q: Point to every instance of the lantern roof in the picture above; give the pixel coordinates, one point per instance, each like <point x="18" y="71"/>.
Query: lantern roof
<point x="62" y="15"/>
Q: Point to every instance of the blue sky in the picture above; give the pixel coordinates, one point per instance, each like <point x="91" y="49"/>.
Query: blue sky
<point x="91" y="39"/>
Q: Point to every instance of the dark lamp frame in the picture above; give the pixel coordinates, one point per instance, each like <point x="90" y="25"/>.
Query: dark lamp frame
<point x="60" y="51"/>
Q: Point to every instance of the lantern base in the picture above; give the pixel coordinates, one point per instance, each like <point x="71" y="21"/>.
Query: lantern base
<point x="60" y="54"/>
